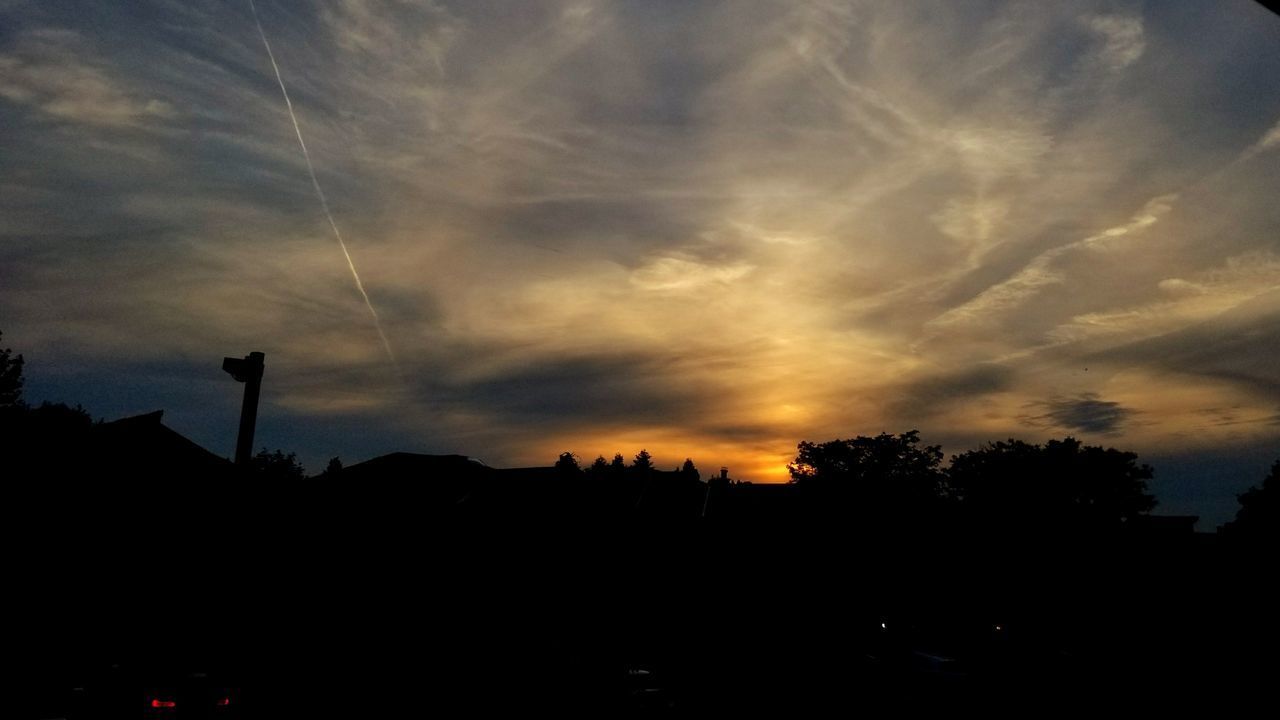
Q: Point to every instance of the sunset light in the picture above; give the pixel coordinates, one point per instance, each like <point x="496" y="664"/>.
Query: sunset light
<point x="711" y="230"/>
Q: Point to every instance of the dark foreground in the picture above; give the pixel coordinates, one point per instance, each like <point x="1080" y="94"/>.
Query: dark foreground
<point x="289" y="606"/>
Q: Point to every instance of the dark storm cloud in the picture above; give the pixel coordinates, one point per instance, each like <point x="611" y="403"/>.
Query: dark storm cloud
<point x="1085" y="413"/>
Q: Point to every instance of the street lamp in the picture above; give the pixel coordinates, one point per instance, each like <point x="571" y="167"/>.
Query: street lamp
<point x="247" y="370"/>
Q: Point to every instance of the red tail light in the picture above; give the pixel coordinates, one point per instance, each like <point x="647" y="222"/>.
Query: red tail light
<point x="163" y="704"/>
<point x="224" y="701"/>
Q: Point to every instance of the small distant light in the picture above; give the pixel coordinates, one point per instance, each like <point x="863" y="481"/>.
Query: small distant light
<point x="884" y="626"/>
<point x="998" y="628"/>
<point x="224" y="701"/>
<point x="161" y="704"/>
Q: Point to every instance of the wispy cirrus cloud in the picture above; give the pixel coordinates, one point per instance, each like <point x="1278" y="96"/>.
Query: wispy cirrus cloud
<point x="1122" y="39"/>
<point x="60" y="74"/>
<point x="776" y="220"/>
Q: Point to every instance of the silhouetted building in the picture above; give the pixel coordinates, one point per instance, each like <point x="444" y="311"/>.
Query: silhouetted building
<point x="751" y="502"/>
<point x="143" y="447"/>
<point x="439" y="482"/>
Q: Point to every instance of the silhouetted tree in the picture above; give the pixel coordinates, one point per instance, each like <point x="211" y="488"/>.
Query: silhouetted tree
<point x="643" y="461"/>
<point x="1259" y="513"/>
<point x="56" y="428"/>
<point x="276" y="465"/>
<point x="55" y="418"/>
<point x="688" y="471"/>
<point x="333" y="469"/>
<point x="599" y="467"/>
<point x="10" y="378"/>
<point x="885" y="468"/>
<point x="52" y="440"/>
<point x="1059" y="484"/>
<point x="567" y="465"/>
<point x="47" y="441"/>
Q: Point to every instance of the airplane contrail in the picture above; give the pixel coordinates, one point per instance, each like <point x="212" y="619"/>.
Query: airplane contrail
<point x="324" y="202"/>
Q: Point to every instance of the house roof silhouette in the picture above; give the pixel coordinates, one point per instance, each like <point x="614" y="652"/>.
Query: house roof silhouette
<point x="142" y="445"/>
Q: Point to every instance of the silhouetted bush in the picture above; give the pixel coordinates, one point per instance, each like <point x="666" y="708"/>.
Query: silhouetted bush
<point x="277" y="466"/>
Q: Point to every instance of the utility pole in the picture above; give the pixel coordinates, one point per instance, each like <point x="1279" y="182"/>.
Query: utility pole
<point x="247" y="370"/>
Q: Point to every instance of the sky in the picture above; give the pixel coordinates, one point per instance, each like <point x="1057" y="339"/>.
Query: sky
<point x="707" y="229"/>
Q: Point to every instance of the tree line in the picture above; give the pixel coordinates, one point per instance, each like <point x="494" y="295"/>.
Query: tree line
<point x="1001" y="486"/>
<point x="601" y="469"/>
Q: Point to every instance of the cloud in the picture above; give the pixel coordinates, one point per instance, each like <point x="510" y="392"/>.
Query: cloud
<point x="56" y="72"/>
<point x="1241" y="279"/>
<point x="1180" y="287"/>
<point x="728" y="226"/>
<point x="1122" y="37"/>
<point x="1269" y="141"/>
<point x="1046" y="270"/>
<point x="934" y="395"/>
<point x="1231" y="346"/>
<point x="607" y="390"/>
<point x="1085" y="413"/>
<point x="670" y="273"/>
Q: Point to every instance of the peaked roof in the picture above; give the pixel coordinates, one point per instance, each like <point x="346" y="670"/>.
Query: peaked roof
<point x="404" y="465"/>
<point x="144" y="442"/>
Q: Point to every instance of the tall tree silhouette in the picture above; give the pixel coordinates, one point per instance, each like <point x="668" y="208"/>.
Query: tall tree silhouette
<point x="599" y="467"/>
<point x="643" y="462"/>
<point x="688" y="470"/>
<point x="10" y="378"/>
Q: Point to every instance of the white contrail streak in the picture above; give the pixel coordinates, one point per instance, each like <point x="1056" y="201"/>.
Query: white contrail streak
<point x="324" y="202"/>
